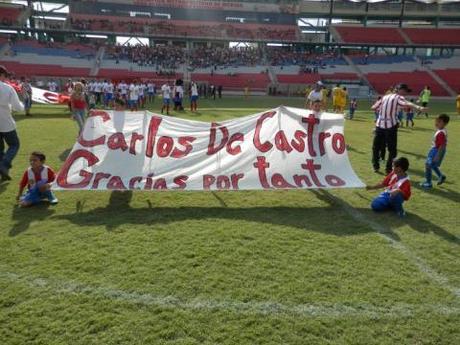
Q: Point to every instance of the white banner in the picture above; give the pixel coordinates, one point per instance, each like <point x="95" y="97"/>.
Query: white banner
<point x="47" y="97"/>
<point x="282" y="148"/>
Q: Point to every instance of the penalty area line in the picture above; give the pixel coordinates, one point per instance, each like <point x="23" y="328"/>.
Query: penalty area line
<point x="267" y="308"/>
<point x="383" y="231"/>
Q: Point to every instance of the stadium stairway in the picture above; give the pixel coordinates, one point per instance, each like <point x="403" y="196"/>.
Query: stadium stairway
<point x="24" y="16"/>
<point x="405" y="36"/>
<point x="358" y="71"/>
<point x="436" y="77"/>
<point x="333" y="31"/>
<point x="272" y="75"/>
<point x="97" y="61"/>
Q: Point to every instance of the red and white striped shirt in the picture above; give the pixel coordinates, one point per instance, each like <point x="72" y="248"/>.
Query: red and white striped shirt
<point x="389" y="106"/>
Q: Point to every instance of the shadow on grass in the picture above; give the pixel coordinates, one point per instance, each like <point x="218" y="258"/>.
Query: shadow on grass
<point x="331" y="219"/>
<point x="413" y="154"/>
<point x="390" y="221"/>
<point x="25" y="216"/>
<point x="40" y="116"/>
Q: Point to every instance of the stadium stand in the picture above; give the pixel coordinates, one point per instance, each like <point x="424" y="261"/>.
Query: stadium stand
<point x="183" y="28"/>
<point x="10" y="14"/>
<point x="29" y="57"/>
<point x="416" y="79"/>
<point x="369" y="35"/>
<point x="449" y="70"/>
<point x="432" y="36"/>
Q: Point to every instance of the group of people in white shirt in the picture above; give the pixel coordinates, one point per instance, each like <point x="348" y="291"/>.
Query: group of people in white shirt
<point x="133" y="95"/>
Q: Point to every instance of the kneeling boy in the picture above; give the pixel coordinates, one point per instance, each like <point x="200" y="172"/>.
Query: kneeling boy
<point x="38" y="178"/>
<point x="397" y="190"/>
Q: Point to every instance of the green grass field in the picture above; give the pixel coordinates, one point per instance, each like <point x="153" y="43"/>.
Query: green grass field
<point x="268" y="267"/>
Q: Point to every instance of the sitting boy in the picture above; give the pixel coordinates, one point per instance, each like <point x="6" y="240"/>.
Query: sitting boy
<point x="38" y="178"/>
<point x="397" y="190"/>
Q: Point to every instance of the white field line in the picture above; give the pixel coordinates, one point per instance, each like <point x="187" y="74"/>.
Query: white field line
<point x="268" y="308"/>
<point x="422" y="266"/>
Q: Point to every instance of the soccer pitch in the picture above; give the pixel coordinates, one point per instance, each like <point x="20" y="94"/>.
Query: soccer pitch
<point x="267" y="267"/>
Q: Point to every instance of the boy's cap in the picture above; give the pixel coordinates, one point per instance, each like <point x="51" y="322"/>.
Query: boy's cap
<point x="403" y="86"/>
<point x="317" y="101"/>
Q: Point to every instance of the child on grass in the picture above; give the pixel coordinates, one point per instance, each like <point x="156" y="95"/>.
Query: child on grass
<point x="410" y="115"/>
<point x="437" y="152"/>
<point x="353" y="107"/>
<point x="398" y="189"/>
<point x="38" y="178"/>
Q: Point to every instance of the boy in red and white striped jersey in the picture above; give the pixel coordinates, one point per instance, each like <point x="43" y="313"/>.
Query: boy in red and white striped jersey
<point x="437" y="152"/>
<point x="37" y="178"/>
<point x="398" y="189"/>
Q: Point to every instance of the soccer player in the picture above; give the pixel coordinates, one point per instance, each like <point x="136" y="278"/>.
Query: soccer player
<point x="410" y="115"/>
<point x="108" y="94"/>
<point x="141" y="94"/>
<point x="425" y="96"/>
<point x="342" y="100"/>
<point x="123" y="88"/>
<point x="151" y="91"/>
<point x="437" y="152"/>
<point x="315" y="95"/>
<point x="133" y="96"/>
<point x="324" y="95"/>
<point x="52" y="86"/>
<point x="398" y="189"/>
<point x="26" y="95"/>
<point x="458" y="103"/>
<point x="335" y="94"/>
<point x="37" y="178"/>
<point x="166" y="91"/>
<point x="353" y="107"/>
<point x="193" y="97"/>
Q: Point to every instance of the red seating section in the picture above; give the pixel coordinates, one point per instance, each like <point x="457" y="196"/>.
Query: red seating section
<point x="354" y="34"/>
<point x="257" y="82"/>
<point x="451" y="77"/>
<point x="433" y="36"/>
<point x="303" y="78"/>
<point x="9" y="15"/>
<point x="416" y="80"/>
<point x="45" y="70"/>
<point x="340" y="76"/>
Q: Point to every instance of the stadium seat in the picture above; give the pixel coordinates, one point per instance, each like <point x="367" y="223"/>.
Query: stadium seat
<point x="355" y="34"/>
<point x="451" y="77"/>
<point x="433" y="36"/>
<point x="416" y="80"/>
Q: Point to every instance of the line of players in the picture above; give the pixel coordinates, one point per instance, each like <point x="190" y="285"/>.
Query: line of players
<point x="136" y="94"/>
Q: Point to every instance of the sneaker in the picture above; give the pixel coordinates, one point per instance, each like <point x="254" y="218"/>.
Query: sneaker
<point x="4" y="174"/>
<point x="54" y="201"/>
<point x="442" y="180"/>
<point x="401" y="213"/>
<point x="426" y="185"/>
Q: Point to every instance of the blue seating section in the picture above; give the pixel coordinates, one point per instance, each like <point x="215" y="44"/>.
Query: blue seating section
<point x="383" y="59"/>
